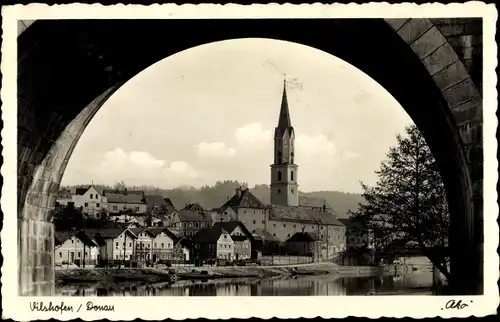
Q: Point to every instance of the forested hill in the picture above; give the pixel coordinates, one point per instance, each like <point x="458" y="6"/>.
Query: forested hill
<point x="215" y="196"/>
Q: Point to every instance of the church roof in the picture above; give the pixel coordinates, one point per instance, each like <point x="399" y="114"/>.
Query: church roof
<point x="284" y="121"/>
<point x="243" y="198"/>
<point x="304" y="215"/>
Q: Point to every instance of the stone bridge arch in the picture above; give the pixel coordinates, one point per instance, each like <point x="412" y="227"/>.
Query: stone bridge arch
<point x="68" y="69"/>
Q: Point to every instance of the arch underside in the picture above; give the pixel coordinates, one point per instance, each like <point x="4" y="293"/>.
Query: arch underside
<point x="68" y="69"/>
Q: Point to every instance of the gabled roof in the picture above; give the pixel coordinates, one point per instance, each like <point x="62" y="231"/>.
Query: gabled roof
<point x="193" y="207"/>
<point x="230" y="226"/>
<point x="111" y="233"/>
<point x="313" y="202"/>
<point x="164" y="205"/>
<point x="209" y="235"/>
<point x="303" y="237"/>
<point x="86" y="238"/>
<point x="303" y="215"/>
<point x="243" y="198"/>
<point x="187" y="215"/>
<point x="125" y="198"/>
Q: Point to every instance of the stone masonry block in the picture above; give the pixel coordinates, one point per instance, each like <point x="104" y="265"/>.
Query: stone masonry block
<point x="461" y="93"/>
<point x="440" y="59"/>
<point x="428" y="42"/>
<point x="396" y="23"/>
<point x="451" y="75"/>
<point x="413" y="29"/>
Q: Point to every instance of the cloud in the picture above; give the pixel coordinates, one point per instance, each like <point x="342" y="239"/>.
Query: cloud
<point x="215" y="150"/>
<point x="139" y="167"/>
<point x="319" y="146"/>
<point x="181" y="169"/>
<point x="253" y="134"/>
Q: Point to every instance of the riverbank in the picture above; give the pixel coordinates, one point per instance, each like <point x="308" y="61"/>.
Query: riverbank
<point x="170" y="274"/>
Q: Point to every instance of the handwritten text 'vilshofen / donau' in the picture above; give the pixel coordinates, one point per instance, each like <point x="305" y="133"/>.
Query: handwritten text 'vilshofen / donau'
<point x="50" y="307"/>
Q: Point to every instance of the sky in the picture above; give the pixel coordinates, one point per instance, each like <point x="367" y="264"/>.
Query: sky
<point x="208" y="114"/>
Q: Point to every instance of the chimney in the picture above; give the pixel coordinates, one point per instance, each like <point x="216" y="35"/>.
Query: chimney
<point x="324" y="208"/>
<point x="238" y="192"/>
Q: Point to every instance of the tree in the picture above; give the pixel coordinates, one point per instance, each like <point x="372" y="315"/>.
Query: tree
<point x="408" y="205"/>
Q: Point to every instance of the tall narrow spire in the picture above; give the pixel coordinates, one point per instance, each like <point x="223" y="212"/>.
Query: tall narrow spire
<point x="284" y="121"/>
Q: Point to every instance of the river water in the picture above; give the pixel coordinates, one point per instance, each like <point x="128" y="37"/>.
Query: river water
<point x="417" y="283"/>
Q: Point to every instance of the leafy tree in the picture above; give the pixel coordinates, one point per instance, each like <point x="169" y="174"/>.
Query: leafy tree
<point x="408" y="207"/>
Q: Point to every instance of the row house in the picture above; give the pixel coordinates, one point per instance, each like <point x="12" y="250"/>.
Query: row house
<point x="115" y="243"/>
<point x="241" y="237"/>
<point x="75" y="247"/>
<point x="128" y="201"/>
<point x="160" y="209"/>
<point x="211" y="243"/>
<point x="188" y="222"/>
<point x="304" y="244"/>
<point x="158" y="243"/>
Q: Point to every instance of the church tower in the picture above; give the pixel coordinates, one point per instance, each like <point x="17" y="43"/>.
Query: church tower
<point x="284" y="170"/>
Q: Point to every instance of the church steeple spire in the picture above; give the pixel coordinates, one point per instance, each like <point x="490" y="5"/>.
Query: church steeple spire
<point x="284" y="121"/>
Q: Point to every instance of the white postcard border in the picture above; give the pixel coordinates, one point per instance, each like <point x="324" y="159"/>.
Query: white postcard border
<point x="18" y="308"/>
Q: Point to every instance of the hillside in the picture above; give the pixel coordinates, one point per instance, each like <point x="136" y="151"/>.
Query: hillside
<point x="215" y="196"/>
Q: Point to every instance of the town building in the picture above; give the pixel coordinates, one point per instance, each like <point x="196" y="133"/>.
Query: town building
<point x="75" y="247"/>
<point x="115" y="243"/>
<point x="89" y="200"/>
<point x="304" y="244"/>
<point x="156" y="243"/>
<point x="126" y="201"/>
<point x="64" y="196"/>
<point x="160" y="210"/>
<point x="188" y="222"/>
<point x="213" y="243"/>
<point x="241" y="237"/>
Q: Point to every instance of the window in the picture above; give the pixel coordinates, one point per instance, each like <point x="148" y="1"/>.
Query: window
<point x="137" y="208"/>
<point x="60" y="254"/>
<point x="294" y="226"/>
<point x="96" y="196"/>
<point x="97" y="215"/>
<point x="274" y="234"/>
<point x="185" y="224"/>
<point x="254" y="221"/>
<point x="291" y="175"/>
<point x="97" y="204"/>
<point x="287" y="235"/>
<point x="284" y="225"/>
<point x="321" y="227"/>
<point x="79" y="254"/>
<point x="162" y="245"/>
<point x="129" y="244"/>
<point x="292" y="190"/>
<point x="263" y="221"/>
<point x="321" y="236"/>
<point x="155" y="245"/>
<point x="196" y="224"/>
<point x="115" y="208"/>
<point x="72" y="241"/>
<point x="91" y="195"/>
<point x="253" y="231"/>
<point x="279" y="175"/>
<point x="291" y="159"/>
<point x="274" y="225"/>
<point x="278" y="191"/>
<point x="86" y="204"/>
<point x="116" y="244"/>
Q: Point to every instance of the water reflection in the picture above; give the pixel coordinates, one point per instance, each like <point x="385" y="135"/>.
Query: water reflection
<point x="324" y="285"/>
